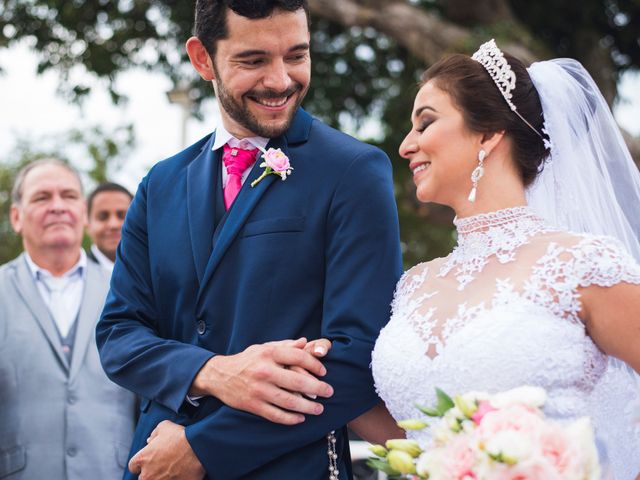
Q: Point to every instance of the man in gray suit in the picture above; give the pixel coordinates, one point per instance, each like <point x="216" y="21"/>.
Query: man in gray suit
<point x="60" y="417"/>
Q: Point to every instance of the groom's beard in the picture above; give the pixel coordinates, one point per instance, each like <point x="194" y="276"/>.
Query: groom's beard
<point x="241" y="114"/>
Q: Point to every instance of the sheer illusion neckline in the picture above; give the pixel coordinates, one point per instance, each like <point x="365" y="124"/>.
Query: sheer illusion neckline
<point x="499" y="233"/>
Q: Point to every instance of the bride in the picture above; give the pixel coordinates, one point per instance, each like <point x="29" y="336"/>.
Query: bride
<point x="536" y="171"/>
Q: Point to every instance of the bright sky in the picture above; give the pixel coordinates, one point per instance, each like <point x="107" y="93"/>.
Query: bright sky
<point x="31" y="108"/>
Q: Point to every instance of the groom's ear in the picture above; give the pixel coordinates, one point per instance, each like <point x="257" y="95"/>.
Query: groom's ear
<point x="200" y="58"/>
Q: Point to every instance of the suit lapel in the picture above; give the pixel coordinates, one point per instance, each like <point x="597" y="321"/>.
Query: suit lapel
<point x="202" y="174"/>
<point x="28" y="291"/>
<point x="244" y="203"/>
<point x="90" y="309"/>
<point x="249" y="196"/>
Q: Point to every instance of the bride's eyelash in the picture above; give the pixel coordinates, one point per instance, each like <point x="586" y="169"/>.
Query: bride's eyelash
<point x="423" y="125"/>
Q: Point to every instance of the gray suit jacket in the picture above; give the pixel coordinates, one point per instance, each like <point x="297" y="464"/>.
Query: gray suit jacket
<point x="57" y="420"/>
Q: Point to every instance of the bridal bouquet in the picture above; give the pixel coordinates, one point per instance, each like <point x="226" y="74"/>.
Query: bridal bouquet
<point x="493" y="437"/>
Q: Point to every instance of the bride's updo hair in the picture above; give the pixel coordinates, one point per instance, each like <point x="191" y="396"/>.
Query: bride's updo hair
<point x="485" y="110"/>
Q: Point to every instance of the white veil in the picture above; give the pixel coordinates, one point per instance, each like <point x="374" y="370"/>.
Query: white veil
<point x="590" y="183"/>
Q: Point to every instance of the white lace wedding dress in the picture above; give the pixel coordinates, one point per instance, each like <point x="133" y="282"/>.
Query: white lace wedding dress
<point x="502" y="311"/>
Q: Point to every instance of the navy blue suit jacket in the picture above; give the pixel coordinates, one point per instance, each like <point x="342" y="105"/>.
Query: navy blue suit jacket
<point x="317" y="255"/>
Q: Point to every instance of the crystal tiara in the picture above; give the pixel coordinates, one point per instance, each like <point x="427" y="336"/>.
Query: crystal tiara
<point x="492" y="59"/>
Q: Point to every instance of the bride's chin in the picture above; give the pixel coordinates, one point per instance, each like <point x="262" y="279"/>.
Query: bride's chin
<point x="424" y="195"/>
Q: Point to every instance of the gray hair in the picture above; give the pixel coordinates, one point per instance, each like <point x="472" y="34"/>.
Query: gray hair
<point x="16" y="191"/>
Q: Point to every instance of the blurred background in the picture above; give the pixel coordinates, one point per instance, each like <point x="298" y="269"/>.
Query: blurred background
<point x="107" y="85"/>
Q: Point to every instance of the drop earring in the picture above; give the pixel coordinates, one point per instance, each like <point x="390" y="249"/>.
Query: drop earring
<point x="477" y="174"/>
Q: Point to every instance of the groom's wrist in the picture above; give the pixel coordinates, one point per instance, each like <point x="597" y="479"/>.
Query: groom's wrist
<point x="205" y="380"/>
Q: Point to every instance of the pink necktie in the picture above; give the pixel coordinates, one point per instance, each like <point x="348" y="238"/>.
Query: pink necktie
<point x="236" y="161"/>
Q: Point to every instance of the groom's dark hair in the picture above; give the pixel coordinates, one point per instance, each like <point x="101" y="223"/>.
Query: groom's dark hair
<point x="211" y="16"/>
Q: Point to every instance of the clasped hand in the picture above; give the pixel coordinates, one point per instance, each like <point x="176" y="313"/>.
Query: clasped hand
<point x="167" y="456"/>
<point x="275" y="380"/>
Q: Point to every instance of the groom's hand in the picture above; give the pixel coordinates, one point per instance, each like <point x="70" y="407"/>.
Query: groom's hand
<point x="167" y="455"/>
<point x="262" y="380"/>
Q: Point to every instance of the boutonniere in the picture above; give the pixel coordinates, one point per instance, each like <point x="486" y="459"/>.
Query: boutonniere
<point x="275" y="162"/>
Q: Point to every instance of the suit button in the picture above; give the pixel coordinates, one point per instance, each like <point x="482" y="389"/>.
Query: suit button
<point x="202" y="327"/>
<point x="71" y="451"/>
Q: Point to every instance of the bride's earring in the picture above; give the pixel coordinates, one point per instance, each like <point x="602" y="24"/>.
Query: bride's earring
<point x="477" y="174"/>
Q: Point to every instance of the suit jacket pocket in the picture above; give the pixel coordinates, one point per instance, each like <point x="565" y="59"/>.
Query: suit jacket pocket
<point x="12" y="460"/>
<point x="274" y="225"/>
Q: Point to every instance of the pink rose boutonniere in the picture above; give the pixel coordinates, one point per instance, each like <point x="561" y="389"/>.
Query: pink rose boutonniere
<point x="275" y="162"/>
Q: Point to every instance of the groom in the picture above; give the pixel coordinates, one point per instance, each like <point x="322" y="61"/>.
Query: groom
<point x="216" y="272"/>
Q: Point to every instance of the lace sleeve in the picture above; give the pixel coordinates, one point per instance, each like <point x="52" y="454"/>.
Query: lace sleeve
<point x="407" y="285"/>
<point x="603" y="261"/>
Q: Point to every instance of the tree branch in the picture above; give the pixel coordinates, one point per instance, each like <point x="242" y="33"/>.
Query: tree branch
<point x="429" y="37"/>
<point x="422" y="32"/>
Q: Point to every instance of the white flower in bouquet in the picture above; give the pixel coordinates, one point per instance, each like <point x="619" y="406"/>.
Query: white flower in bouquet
<point x="450" y="425"/>
<point x="580" y="433"/>
<point x="474" y="397"/>
<point x="432" y="464"/>
<point x="510" y="446"/>
<point x="533" y="397"/>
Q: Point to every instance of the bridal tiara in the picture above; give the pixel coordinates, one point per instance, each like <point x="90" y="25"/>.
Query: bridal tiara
<point x="492" y="59"/>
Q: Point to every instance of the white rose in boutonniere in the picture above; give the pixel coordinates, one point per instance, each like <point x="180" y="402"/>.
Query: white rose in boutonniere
<point x="276" y="162"/>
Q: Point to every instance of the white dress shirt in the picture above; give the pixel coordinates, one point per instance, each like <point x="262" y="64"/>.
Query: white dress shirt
<point x="62" y="295"/>
<point x="104" y="261"/>
<point x="223" y="137"/>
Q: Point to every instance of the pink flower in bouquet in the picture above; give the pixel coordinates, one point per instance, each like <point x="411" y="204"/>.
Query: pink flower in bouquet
<point x="483" y="408"/>
<point x="455" y="461"/>
<point x="277" y="160"/>
<point x="460" y="458"/>
<point x="532" y="470"/>
<point x="516" y="417"/>
<point x="571" y="450"/>
<point x="557" y="450"/>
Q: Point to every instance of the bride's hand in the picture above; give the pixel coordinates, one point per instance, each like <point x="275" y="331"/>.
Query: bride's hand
<point x="318" y="348"/>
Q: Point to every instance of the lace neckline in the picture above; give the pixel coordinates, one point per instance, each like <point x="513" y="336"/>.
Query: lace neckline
<point x="481" y="236"/>
<point x="484" y="221"/>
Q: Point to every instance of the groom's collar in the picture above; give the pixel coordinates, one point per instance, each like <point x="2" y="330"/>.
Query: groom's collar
<point x="223" y="137"/>
<point x="298" y="132"/>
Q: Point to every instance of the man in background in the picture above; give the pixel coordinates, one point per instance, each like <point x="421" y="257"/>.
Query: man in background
<point x="60" y="416"/>
<point x="107" y="207"/>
